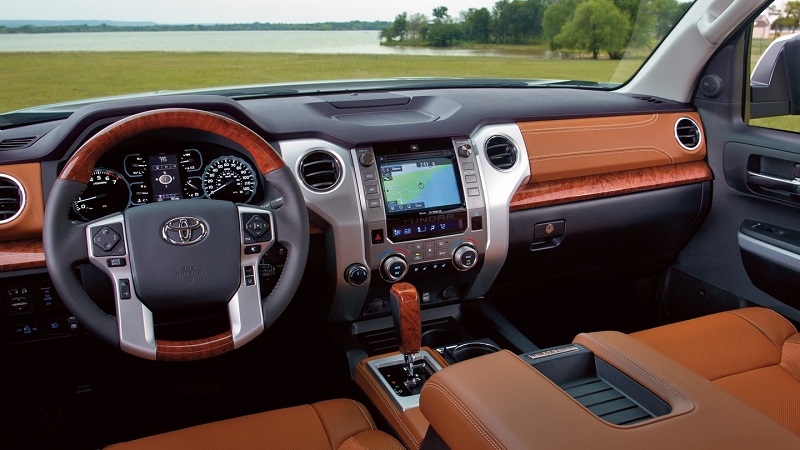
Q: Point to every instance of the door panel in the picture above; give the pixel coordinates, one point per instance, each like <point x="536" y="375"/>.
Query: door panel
<point x="741" y="157"/>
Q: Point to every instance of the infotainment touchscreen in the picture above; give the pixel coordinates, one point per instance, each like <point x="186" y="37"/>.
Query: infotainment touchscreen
<point x="419" y="185"/>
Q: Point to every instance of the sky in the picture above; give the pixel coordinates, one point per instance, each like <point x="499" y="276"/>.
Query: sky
<point x="227" y="11"/>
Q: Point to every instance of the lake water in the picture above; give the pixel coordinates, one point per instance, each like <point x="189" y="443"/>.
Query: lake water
<point x="359" y="42"/>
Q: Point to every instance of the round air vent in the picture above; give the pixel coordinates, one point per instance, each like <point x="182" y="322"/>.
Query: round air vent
<point x="320" y="170"/>
<point x="501" y="152"/>
<point x="12" y="198"/>
<point x="687" y="133"/>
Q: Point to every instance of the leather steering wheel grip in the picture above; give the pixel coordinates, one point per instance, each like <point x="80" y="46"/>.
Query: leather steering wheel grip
<point x="64" y="242"/>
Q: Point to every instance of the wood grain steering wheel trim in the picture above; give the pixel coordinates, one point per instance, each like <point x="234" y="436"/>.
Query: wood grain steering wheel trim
<point x="80" y="166"/>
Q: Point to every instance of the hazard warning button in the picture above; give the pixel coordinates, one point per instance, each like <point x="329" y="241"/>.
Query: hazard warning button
<point x="377" y="236"/>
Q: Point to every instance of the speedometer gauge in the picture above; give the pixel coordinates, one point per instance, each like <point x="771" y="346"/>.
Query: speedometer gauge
<point x="106" y="193"/>
<point x="229" y="178"/>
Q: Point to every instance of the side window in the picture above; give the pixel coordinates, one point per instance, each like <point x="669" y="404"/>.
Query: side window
<point x="778" y="23"/>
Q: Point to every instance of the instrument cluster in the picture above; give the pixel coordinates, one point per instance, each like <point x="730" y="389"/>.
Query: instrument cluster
<point x="166" y="172"/>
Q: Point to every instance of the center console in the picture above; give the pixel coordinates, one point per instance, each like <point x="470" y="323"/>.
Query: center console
<point x="424" y="212"/>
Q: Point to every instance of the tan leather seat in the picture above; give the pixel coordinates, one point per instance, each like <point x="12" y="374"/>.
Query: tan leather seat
<point x="752" y="353"/>
<point x="333" y="424"/>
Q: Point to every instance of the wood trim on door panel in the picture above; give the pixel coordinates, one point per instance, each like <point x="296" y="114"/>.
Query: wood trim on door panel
<point x="29" y="223"/>
<point x="606" y="185"/>
<point x="560" y="149"/>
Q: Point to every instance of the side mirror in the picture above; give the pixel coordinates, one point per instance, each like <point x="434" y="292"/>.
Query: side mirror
<point x="775" y="83"/>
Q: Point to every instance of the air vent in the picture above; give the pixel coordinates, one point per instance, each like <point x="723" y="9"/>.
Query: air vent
<point x="17" y="143"/>
<point x="320" y="170"/>
<point x="12" y="198"/>
<point x="687" y="133"/>
<point x="501" y="152"/>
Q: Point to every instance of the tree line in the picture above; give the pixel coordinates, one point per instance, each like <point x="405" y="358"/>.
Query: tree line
<point x="580" y="25"/>
<point x="355" y="25"/>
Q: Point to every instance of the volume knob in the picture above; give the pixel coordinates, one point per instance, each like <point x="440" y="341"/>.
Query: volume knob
<point x="394" y="268"/>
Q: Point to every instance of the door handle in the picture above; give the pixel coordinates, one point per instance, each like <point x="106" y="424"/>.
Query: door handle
<point x="775" y="183"/>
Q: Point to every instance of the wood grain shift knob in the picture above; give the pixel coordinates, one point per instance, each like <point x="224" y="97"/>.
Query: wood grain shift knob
<point x="404" y="301"/>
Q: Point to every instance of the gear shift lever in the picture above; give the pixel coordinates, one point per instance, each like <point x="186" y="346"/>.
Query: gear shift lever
<point x="405" y="312"/>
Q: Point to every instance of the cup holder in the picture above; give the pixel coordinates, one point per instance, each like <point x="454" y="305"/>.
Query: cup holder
<point x="467" y="350"/>
<point x="471" y="350"/>
<point x="439" y="337"/>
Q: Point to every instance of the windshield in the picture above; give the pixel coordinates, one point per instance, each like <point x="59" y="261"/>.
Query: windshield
<point x="54" y="51"/>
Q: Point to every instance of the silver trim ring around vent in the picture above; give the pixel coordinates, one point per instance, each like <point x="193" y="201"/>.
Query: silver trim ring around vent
<point x="514" y="152"/>
<point x="22" y="198"/>
<point x="699" y="134"/>
<point x="338" y="170"/>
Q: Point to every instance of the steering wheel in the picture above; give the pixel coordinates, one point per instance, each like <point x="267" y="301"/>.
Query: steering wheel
<point x="177" y="256"/>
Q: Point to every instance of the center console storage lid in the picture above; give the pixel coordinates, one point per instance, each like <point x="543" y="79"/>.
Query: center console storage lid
<point x="500" y="401"/>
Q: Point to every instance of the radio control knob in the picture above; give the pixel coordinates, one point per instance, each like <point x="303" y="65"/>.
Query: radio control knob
<point x="464" y="150"/>
<point x="465" y="257"/>
<point x="394" y="268"/>
<point x="356" y="274"/>
<point x="366" y="159"/>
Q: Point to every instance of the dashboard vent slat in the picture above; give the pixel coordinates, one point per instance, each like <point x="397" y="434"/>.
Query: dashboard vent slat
<point x="687" y="132"/>
<point x="501" y="152"/>
<point x="12" y="198"/>
<point x="320" y="170"/>
<point x="17" y="143"/>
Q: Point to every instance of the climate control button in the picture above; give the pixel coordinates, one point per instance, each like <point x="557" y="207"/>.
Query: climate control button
<point x="465" y="257"/>
<point x="394" y="268"/>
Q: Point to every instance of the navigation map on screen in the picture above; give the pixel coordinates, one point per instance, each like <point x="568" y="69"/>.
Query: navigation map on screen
<point x="421" y="184"/>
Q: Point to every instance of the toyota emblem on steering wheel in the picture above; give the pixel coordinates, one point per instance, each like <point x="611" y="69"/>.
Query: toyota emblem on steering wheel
<point x="184" y="230"/>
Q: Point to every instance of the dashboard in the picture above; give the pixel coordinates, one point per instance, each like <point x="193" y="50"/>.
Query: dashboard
<point x="425" y="197"/>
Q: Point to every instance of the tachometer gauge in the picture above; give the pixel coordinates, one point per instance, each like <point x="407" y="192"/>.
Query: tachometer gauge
<point x="106" y="193"/>
<point x="229" y="178"/>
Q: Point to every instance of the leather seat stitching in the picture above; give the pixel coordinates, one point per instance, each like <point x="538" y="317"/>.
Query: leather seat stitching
<point x="465" y="412"/>
<point x="684" y="398"/>
<point x="367" y="417"/>
<point x="753" y="324"/>
<point x="784" y="319"/>
<point x="357" y="442"/>
<point x="387" y="405"/>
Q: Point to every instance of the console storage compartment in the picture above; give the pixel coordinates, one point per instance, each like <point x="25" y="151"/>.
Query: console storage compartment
<point x="601" y="388"/>
<point x="500" y="401"/>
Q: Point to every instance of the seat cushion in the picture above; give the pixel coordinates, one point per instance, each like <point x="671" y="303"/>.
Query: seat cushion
<point x="752" y="353"/>
<point x="332" y="424"/>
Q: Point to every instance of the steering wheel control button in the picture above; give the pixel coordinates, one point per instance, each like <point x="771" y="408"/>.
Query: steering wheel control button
<point x="257" y="226"/>
<point x="106" y="239"/>
<point x="116" y="262"/>
<point x="252" y="249"/>
<point x="125" y="289"/>
<point x="356" y="275"/>
<point x="465" y="257"/>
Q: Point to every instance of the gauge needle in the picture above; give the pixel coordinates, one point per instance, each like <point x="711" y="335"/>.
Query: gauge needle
<point x="90" y="198"/>
<point x="217" y="189"/>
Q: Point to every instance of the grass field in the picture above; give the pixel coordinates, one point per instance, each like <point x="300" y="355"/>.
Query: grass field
<point x="30" y="79"/>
